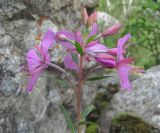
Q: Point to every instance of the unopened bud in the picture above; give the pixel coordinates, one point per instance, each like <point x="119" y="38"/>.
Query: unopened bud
<point x="113" y="51"/>
<point x="112" y="30"/>
<point x="92" y="19"/>
<point x="105" y="56"/>
<point x="85" y="16"/>
<point x="106" y="60"/>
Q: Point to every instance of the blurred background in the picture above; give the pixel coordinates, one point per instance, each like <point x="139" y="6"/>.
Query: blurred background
<point x="23" y="22"/>
<point x="142" y="20"/>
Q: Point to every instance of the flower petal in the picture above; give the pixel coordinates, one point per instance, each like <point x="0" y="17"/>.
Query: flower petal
<point x="33" y="60"/>
<point x="95" y="47"/>
<point x="69" y="63"/>
<point x="69" y="35"/>
<point x="120" y="45"/>
<point x="32" y="81"/>
<point x="94" y="30"/>
<point x="38" y="69"/>
<point x="125" y="61"/>
<point x="47" y="40"/>
<point x="79" y="38"/>
<point x="123" y="72"/>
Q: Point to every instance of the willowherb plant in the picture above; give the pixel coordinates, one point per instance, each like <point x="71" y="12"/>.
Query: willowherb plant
<point x="81" y="47"/>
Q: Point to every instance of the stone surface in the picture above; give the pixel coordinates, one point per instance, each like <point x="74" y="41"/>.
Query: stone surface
<point x="143" y="101"/>
<point x="106" y="20"/>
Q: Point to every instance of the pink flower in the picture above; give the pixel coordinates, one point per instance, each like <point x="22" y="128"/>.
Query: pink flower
<point x="121" y="64"/>
<point x="38" y="60"/>
<point x="92" y="46"/>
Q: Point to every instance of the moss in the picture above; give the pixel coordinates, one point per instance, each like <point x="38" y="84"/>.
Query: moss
<point x="103" y="105"/>
<point x="103" y="97"/>
<point x="128" y="123"/>
<point x="92" y="129"/>
<point x="101" y="101"/>
<point x="112" y="88"/>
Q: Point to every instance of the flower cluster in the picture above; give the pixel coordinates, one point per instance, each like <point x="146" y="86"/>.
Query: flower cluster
<point x="85" y="44"/>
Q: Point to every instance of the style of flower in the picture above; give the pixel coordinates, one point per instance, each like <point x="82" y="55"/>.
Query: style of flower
<point x="38" y="59"/>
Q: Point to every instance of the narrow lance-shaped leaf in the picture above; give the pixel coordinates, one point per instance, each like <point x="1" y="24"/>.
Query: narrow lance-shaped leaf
<point x="74" y="57"/>
<point x="98" y="78"/>
<point x="90" y="39"/>
<point x="87" y="111"/>
<point x="68" y="120"/>
<point x="64" y="83"/>
<point x="79" y="48"/>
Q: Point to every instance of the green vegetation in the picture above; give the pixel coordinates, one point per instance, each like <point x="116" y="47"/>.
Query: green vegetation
<point x="127" y="123"/>
<point x="142" y="20"/>
<point x="92" y="129"/>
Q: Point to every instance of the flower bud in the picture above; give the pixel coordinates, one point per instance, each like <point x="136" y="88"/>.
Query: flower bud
<point x="85" y="16"/>
<point x="106" y="60"/>
<point x="113" y="51"/>
<point x="92" y="19"/>
<point x="112" y="30"/>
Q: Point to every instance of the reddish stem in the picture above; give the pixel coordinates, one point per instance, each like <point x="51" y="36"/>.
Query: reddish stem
<point x="79" y="91"/>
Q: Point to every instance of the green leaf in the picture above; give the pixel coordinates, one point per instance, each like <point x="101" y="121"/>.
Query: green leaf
<point x="89" y="123"/>
<point x="64" y="83"/>
<point x="79" y="48"/>
<point x="98" y="78"/>
<point x="69" y="122"/>
<point x="74" y="57"/>
<point x="87" y="111"/>
<point x="90" y="39"/>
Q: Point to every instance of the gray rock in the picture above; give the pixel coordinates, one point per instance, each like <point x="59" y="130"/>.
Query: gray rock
<point x="143" y="101"/>
<point x="90" y="3"/>
<point x="10" y="9"/>
<point x="106" y="20"/>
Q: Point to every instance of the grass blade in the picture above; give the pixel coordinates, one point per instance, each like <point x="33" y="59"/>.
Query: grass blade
<point x="68" y="120"/>
<point x="98" y="78"/>
<point x="87" y="111"/>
